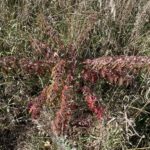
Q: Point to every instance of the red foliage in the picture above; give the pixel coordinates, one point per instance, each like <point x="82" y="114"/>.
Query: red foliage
<point x="36" y="104"/>
<point x="67" y="106"/>
<point x="26" y="65"/>
<point x="63" y="115"/>
<point x="88" y="75"/>
<point x="117" y="69"/>
<point x="41" y="48"/>
<point x="34" y="109"/>
<point x="91" y="100"/>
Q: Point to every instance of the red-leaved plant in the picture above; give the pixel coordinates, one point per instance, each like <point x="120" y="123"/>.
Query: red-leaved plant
<point x="67" y="71"/>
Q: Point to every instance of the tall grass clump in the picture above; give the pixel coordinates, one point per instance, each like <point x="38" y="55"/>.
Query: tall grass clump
<point x="75" y="74"/>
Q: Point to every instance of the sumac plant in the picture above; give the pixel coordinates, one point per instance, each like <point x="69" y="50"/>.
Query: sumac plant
<point x="72" y="76"/>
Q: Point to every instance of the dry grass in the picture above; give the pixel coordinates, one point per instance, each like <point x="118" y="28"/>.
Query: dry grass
<point x="96" y="28"/>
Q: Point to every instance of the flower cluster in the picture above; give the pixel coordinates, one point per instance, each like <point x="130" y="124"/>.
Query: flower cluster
<point x="117" y="69"/>
<point x="26" y="65"/>
<point x="68" y="73"/>
<point x="91" y="101"/>
<point x="60" y="123"/>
